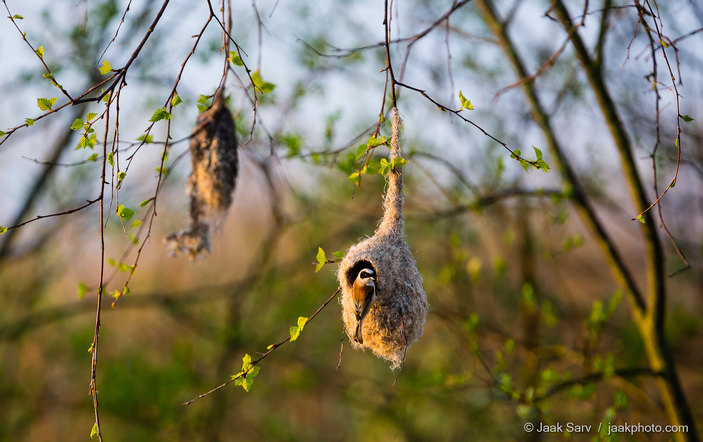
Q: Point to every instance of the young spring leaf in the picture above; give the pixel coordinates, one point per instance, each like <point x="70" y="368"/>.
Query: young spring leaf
<point x="146" y="138"/>
<point x="125" y="268"/>
<point x="397" y="162"/>
<point x="40" y="51"/>
<point x="94" y="430"/>
<point x="376" y="141"/>
<point x="2" y="133"/>
<point x="77" y="124"/>
<point x="360" y="151"/>
<point x="2" y="230"/>
<point x="111" y="159"/>
<point x="687" y="118"/>
<point x="294" y="332"/>
<point x="302" y="320"/>
<point x="263" y="86"/>
<point x="321" y="259"/>
<point x="82" y="289"/>
<point x="93" y="157"/>
<point x="29" y="121"/>
<point x="16" y="17"/>
<point x="339" y="255"/>
<point x="202" y="103"/>
<point x="160" y="114"/>
<point x="384" y="166"/>
<point x="541" y="164"/>
<point x="465" y="104"/>
<point x="176" y="100"/>
<point x="235" y="58"/>
<point x="125" y="212"/>
<point x="105" y="68"/>
<point x="246" y="362"/>
<point x="46" y="103"/>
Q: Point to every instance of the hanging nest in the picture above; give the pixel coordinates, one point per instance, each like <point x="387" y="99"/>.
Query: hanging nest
<point x="213" y="154"/>
<point x="397" y="317"/>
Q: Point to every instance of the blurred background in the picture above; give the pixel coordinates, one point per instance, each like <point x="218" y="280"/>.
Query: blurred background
<point x="526" y="321"/>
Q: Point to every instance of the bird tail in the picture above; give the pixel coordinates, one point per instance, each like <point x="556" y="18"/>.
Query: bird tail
<point x="357" y="334"/>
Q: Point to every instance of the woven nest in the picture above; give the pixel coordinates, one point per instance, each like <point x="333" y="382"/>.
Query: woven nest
<point x="213" y="154"/>
<point x="397" y="318"/>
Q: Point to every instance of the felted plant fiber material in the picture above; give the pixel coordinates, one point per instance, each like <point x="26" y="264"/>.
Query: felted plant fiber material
<point x="397" y="318"/>
<point x="213" y="155"/>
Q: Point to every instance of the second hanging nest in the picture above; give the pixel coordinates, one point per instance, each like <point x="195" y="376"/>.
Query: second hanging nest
<point x="396" y="318"/>
<point x="213" y="154"/>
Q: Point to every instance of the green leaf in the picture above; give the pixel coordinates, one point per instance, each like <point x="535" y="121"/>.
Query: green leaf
<point x="640" y="218"/>
<point x="136" y="223"/>
<point x="246" y="383"/>
<point x="339" y="255"/>
<point x="17" y="17"/>
<point x="115" y="294"/>
<point x="465" y="104"/>
<point x="82" y="289"/>
<point x="397" y="162"/>
<point x="259" y="83"/>
<point x="360" y="151"/>
<point x="111" y="159"/>
<point x="40" y="51"/>
<point x="122" y="267"/>
<point x="321" y="259"/>
<point x="246" y="362"/>
<point x="124" y="212"/>
<point x="516" y="153"/>
<point x="663" y="43"/>
<point x="145" y="202"/>
<point x="45" y="103"/>
<point x="90" y="116"/>
<point x="235" y="58"/>
<point x="687" y="118"/>
<point x="202" y="103"/>
<point x="302" y="320"/>
<point x="355" y="177"/>
<point x="2" y="230"/>
<point x="146" y="138"/>
<point x="105" y="67"/>
<point x="29" y="121"/>
<point x="176" y="100"/>
<point x="376" y="141"/>
<point x="160" y="114"/>
<point x="384" y="166"/>
<point x="93" y="157"/>
<point x="111" y="262"/>
<point x="94" y="431"/>
<point x="77" y="124"/>
<point x="2" y="133"/>
<point x="294" y="332"/>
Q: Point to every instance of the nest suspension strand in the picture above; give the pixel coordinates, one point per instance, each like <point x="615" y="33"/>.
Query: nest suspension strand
<point x="213" y="154"/>
<point x="397" y="317"/>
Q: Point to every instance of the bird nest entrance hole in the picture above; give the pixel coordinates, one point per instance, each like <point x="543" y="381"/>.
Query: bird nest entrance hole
<point x="354" y="270"/>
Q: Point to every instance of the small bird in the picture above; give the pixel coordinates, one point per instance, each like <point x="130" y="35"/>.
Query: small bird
<point x="364" y="296"/>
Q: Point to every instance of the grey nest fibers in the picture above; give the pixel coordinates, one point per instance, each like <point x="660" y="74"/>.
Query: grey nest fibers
<point x="213" y="154"/>
<point x="397" y="318"/>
